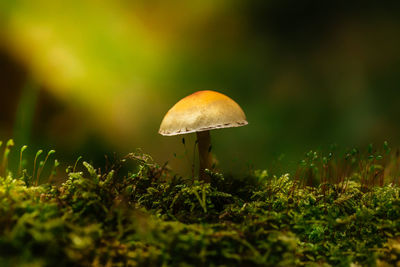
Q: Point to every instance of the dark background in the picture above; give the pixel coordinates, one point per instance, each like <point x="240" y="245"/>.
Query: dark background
<point x="95" y="77"/>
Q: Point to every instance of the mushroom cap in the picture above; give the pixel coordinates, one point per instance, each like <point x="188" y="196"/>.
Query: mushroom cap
<point x="202" y="111"/>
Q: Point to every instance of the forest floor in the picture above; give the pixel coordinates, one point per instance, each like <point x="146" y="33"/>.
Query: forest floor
<point x="338" y="209"/>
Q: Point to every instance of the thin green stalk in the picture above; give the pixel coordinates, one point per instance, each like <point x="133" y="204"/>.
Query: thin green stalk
<point x="7" y="149"/>
<point x="76" y="163"/>
<point x="40" y="169"/>
<point x="34" y="163"/>
<point x="20" y="160"/>
<point x="53" y="170"/>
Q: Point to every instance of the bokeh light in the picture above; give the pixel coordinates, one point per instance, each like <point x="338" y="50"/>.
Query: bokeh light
<point x="96" y="77"/>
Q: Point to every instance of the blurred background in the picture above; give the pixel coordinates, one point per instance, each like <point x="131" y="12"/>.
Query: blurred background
<point x="96" y="77"/>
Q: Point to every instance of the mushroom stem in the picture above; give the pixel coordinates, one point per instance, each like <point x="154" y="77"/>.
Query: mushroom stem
<point x="204" y="145"/>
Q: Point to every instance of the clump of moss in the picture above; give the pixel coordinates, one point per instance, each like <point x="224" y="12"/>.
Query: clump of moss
<point x="151" y="217"/>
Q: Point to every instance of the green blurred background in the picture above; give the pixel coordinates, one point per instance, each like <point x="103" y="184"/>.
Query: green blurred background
<point x="96" y="77"/>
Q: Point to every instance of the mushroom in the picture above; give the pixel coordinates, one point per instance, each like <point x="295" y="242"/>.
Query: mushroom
<point x="201" y="112"/>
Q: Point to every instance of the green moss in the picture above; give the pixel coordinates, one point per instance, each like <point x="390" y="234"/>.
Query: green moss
<point x="150" y="217"/>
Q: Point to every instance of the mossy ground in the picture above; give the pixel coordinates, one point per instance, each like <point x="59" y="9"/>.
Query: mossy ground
<point x="334" y="211"/>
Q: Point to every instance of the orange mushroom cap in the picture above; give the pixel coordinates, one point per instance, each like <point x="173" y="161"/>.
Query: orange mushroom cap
<point x="202" y="111"/>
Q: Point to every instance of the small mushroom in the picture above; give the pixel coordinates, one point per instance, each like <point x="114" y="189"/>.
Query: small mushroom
<point x="201" y="112"/>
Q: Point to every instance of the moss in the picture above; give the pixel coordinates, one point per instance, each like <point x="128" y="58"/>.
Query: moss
<point x="150" y="217"/>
